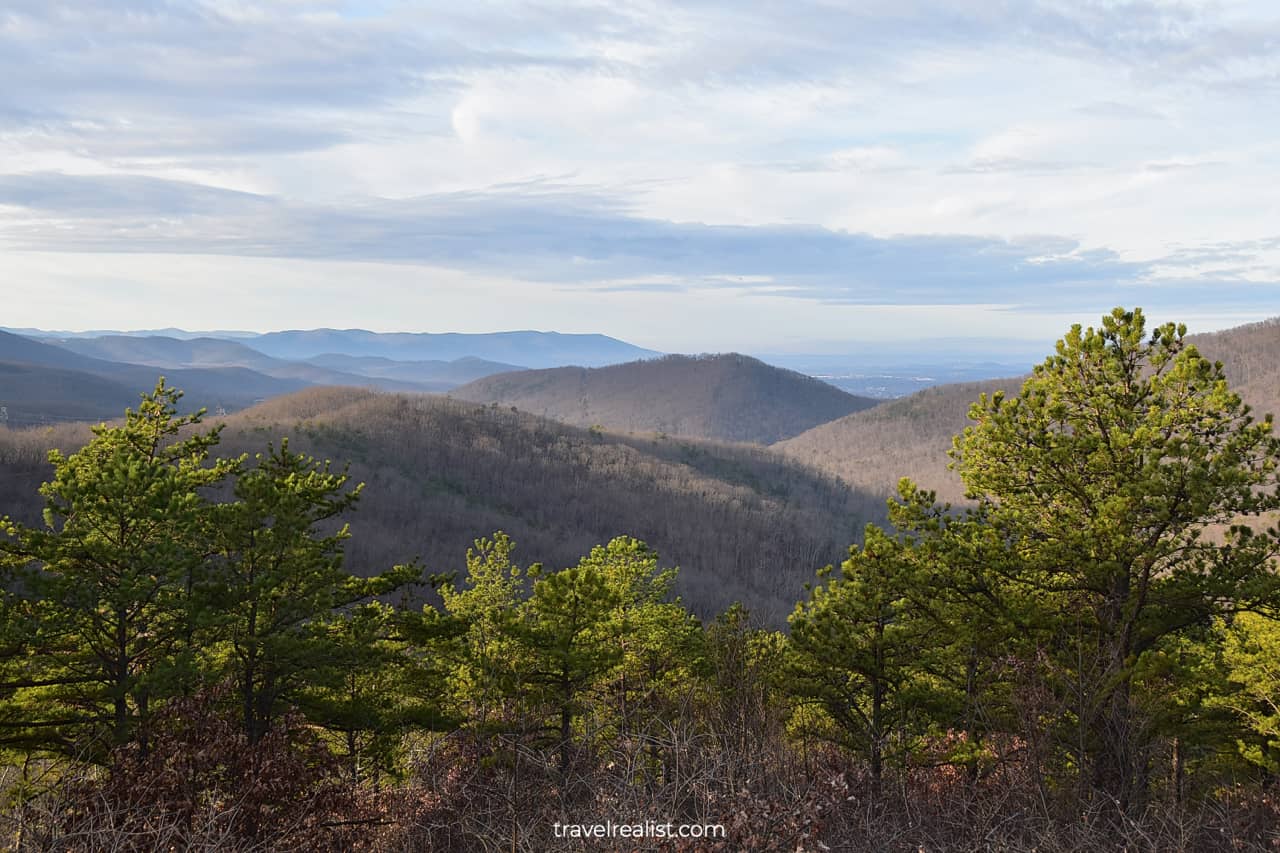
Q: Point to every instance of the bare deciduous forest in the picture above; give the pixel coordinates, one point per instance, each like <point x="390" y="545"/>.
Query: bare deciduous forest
<point x="908" y="437"/>
<point x="743" y="523"/>
<point x="726" y="397"/>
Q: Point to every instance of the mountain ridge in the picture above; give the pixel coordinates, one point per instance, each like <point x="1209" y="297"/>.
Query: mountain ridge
<point x="532" y="348"/>
<point x="726" y="397"/>
<point x="910" y="436"/>
<point x="209" y="353"/>
<point x="71" y="377"/>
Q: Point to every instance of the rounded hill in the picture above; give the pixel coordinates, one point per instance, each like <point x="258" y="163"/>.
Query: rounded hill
<point x="728" y="397"/>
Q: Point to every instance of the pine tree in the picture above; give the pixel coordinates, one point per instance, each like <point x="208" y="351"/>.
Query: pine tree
<point x="974" y="625"/>
<point x="476" y="631"/>
<point x="658" y="640"/>
<point x="109" y="579"/>
<point x="1101" y="482"/>
<point x="371" y="690"/>
<point x="1252" y="663"/>
<point x="572" y="642"/>
<point x="856" y="652"/>
<point x="744" y="682"/>
<point x="278" y="578"/>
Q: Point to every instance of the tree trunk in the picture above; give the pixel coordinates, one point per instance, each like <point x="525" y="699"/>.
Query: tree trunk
<point x="566" y="726"/>
<point x="877" y="747"/>
<point x="120" y="697"/>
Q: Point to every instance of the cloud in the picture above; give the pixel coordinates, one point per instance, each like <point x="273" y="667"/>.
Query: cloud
<point x="142" y="78"/>
<point x="1167" y="40"/>
<point x="1117" y="110"/>
<point x="279" y="68"/>
<point x="1017" y="165"/>
<point x="108" y="197"/>
<point x="1253" y="265"/>
<point x="561" y="235"/>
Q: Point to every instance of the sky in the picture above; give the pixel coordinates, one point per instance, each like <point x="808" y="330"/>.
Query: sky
<point x="802" y="177"/>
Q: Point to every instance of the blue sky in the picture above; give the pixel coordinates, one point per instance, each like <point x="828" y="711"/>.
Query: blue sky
<point x="702" y="175"/>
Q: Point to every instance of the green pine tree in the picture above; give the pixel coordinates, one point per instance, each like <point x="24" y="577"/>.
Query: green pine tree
<point x="371" y="690"/>
<point x="1101" y="482"/>
<point x="108" y="580"/>
<point x="571" y="639"/>
<point x="278" y="578"/>
<point x="658" y="640"/>
<point x="476" y="632"/>
<point x="858" y="652"/>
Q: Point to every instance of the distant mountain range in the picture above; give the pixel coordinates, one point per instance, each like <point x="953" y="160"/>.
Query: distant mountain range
<point x="867" y="443"/>
<point x="171" y="332"/>
<point x="524" y="348"/>
<point x="447" y="373"/>
<point x="724" y="397"/>
<point x="329" y="369"/>
<point x="40" y="382"/>
<point x="54" y="376"/>
<point x="529" y="349"/>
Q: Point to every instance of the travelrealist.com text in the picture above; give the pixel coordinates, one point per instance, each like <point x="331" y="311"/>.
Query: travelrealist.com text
<point x="647" y="829"/>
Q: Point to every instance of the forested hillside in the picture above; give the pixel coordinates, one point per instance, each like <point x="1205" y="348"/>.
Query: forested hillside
<point x="726" y="397"/>
<point x="743" y="523"/>
<point x="34" y="394"/>
<point x="909" y="437"/>
<point x="1250" y="357"/>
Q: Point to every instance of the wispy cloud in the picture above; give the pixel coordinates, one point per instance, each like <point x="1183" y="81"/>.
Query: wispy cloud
<point x="560" y="235"/>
